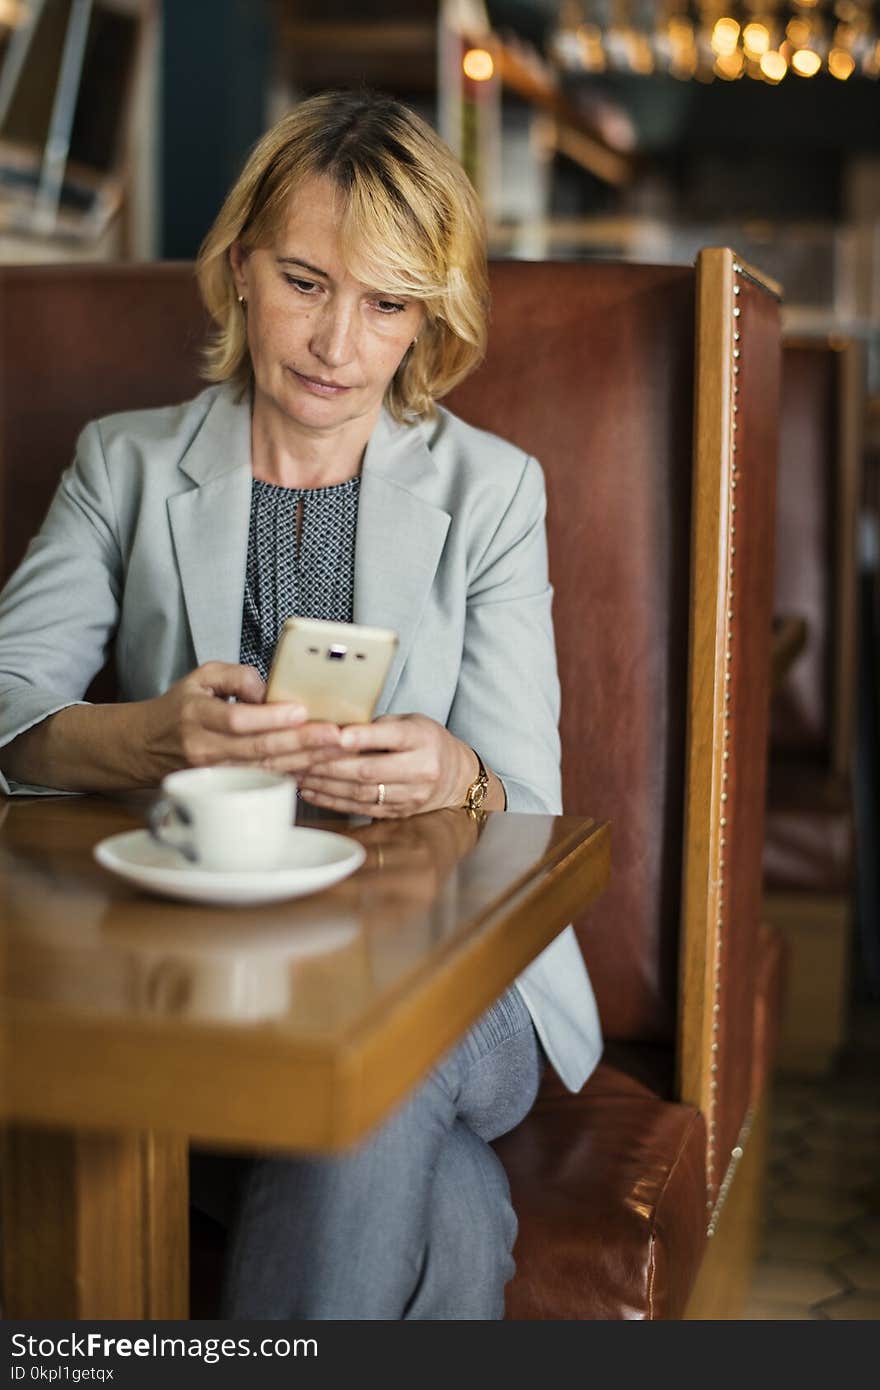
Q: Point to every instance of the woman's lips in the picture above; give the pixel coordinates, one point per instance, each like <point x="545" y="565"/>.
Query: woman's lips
<point x="319" y="387"/>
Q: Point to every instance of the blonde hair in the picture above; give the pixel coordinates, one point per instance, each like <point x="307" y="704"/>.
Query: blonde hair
<point x="412" y="225"/>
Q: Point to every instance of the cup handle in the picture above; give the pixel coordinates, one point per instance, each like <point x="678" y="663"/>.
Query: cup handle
<point x="163" y="817"/>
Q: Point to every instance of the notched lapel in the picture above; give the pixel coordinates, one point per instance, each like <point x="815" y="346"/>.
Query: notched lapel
<point x="209" y="525"/>
<point x="400" y="537"/>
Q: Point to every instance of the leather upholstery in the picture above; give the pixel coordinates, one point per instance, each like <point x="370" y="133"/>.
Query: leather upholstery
<point x="77" y="343"/>
<point x="607" y="353"/>
<point x="617" y="347"/>
<point x="810" y="836"/>
<point x="618" y="461"/>
<point x="805" y="544"/>
<point x="609" y="1189"/>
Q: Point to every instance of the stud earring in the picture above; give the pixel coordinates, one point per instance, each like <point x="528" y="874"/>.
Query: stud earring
<point x="241" y="299"/>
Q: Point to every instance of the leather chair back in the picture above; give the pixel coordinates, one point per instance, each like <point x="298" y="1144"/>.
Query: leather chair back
<point x="77" y="342"/>
<point x="650" y="395"/>
<point x="591" y="369"/>
<point x="819" y="483"/>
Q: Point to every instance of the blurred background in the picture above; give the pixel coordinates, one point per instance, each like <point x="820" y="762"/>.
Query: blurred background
<point x="603" y="129"/>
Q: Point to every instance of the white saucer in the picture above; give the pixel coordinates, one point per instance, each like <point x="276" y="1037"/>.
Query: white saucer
<point x="313" y="859"/>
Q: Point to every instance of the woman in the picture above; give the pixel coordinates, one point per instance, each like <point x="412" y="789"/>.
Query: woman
<point x="346" y="277"/>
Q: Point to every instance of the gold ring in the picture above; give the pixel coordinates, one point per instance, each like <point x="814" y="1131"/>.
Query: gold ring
<point x="380" y="793"/>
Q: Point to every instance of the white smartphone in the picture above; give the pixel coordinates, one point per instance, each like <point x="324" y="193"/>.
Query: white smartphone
<point x="337" y="670"/>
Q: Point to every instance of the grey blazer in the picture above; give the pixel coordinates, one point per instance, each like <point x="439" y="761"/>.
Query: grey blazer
<point x="146" y="539"/>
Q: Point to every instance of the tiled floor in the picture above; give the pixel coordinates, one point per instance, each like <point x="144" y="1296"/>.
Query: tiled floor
<point x="820" y="1256"/>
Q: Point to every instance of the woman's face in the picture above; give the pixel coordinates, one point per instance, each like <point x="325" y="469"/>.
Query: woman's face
<point x="324" y="346"/>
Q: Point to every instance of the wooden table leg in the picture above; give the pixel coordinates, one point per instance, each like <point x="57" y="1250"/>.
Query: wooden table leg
<point x="95" y="1225"/>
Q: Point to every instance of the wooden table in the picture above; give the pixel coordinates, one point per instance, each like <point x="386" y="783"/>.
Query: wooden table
<point x="133" y="1024"/>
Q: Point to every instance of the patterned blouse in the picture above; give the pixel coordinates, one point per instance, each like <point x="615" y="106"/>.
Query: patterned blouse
<point x="300" y="561"/>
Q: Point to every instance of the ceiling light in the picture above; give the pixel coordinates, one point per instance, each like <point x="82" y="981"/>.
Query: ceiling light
<point x="756" y="39"/>
<point x="806" y="62"/>
<point x="773" y="66"/>
<point x="841" y="64"/>
<point x="725" y="37"/>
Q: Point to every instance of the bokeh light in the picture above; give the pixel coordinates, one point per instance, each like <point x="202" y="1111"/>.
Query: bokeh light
<point x="478" y="65"/>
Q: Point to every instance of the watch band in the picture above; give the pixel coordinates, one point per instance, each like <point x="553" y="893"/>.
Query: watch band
<point x="478" y="790"/>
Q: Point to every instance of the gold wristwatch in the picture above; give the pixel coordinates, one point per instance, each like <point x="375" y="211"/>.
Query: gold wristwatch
<point x="478" y="790"/>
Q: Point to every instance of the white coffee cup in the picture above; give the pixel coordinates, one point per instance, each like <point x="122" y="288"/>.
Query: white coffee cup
<point x="230" y="819"/>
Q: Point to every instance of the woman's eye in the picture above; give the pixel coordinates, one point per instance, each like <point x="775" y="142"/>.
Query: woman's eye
<point x="390" y="306"/>
<point x="304" y="286"/>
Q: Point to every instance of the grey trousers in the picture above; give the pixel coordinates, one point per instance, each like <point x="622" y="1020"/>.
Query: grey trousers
<point x="413" y="1222"/>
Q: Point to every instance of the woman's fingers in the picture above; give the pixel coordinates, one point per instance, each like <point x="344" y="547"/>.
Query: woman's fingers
<point x="370" y="767"/>
<point x="364" y="793"/>
<point x="225" y="678"/>
<point x="407" y="754"/>
<point x="250" y="719"/>
<point x="398" y="802"/>
<point x="387" y="733"/>
<point x="254" y="733"/>
<point x="300" y="744"/>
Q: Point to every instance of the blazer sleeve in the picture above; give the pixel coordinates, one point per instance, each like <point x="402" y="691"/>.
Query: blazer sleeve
<point x="59" y="611"/>
<point x="506" y="704"/>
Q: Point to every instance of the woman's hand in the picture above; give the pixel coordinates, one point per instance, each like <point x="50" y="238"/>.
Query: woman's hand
<point x="422" y="766"/>
<point x="194" y="725"/>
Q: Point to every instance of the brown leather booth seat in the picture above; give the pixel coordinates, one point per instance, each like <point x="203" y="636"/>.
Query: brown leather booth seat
<point x="810" y="841"/>
<point x="611" y="1205"/>
<point x="75" y="344"/>
<point x="810" y="844"/>
<point x="615" y="1187"/>
<point x="609" y="1187"/>
<point x="804" y="582"/>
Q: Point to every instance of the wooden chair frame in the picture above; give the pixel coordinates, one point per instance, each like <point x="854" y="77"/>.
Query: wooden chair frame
<point x="716" y="697"/>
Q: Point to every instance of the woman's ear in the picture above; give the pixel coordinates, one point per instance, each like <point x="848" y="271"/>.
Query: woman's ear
<point x="238" y="266"/>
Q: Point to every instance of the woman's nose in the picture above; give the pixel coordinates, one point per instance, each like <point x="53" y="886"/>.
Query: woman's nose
<point x="334" y="337"/>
